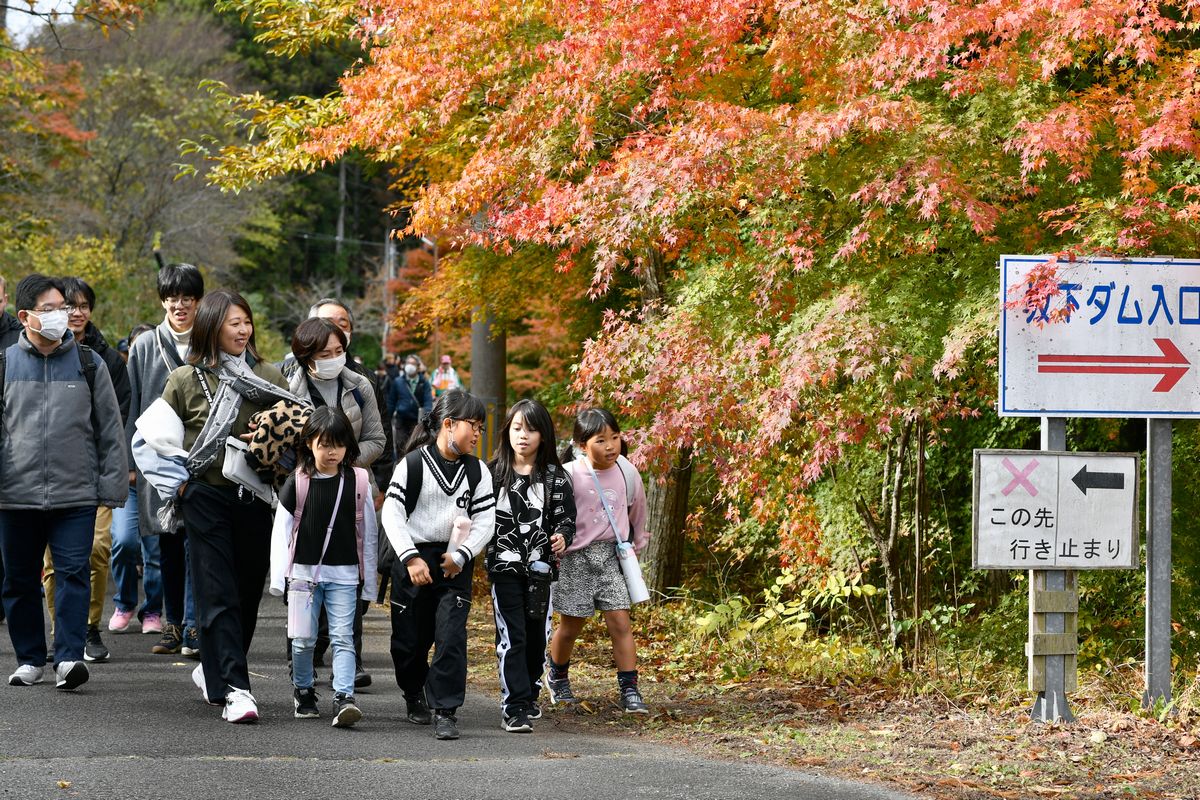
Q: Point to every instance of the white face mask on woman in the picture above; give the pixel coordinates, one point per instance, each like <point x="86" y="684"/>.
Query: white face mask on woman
<point x="410" y="370"/>
<point x="326" y="369"/>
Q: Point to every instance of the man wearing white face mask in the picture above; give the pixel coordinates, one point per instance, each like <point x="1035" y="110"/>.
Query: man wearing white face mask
<point x="409" y="397"/>
<point x="60" y="421"/>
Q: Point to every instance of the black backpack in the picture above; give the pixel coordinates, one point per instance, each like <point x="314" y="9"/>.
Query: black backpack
<point x="416" y="471"/>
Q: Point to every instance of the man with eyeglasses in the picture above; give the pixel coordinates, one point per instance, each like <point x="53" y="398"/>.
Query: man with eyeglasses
<point x="153" y="356"/>
<point x="61" y="456"/>
<point x="81" y="300"/>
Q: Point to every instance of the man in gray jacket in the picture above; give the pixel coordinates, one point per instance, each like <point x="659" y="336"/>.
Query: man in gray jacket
<point x="60" y="420"/>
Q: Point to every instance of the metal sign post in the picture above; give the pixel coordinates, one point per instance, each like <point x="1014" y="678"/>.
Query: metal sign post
<point x="1158" y="562"/>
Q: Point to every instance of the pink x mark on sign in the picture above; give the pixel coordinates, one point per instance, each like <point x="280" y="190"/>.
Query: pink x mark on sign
<point x="1020" y="477"/>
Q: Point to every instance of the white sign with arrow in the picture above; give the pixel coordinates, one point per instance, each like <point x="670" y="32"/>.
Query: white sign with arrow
<point x="1037" y="509"/>
<point x="1118" y="338"/>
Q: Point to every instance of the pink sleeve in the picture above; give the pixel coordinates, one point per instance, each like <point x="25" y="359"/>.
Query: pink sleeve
<point x="637" y="516"/>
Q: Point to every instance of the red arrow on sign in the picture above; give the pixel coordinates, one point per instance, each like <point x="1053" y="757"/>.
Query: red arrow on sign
<point x="1171" y="365"/>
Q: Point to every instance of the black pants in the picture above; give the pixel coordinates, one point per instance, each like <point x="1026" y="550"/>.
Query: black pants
<point x="520" y="643"/>
<point x="173" y="564"/>
<point x="230" y="548"/>
<point x="430" y="616"/>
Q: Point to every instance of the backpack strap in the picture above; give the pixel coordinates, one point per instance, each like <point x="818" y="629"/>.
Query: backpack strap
<point x="474" y="469"/>
<point x="362" y="493"/>
<point x="88" y="365"/>
<point x="303" y="481"/>
<point x="3" y="365"/>
<point x="412" y="489"/>
<point x="358" y="398"/>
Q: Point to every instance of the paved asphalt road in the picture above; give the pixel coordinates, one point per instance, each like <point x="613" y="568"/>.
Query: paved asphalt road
<point x="138" y="729"/>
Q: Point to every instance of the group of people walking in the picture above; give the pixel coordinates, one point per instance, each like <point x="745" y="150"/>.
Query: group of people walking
<point x="228" y="469"/>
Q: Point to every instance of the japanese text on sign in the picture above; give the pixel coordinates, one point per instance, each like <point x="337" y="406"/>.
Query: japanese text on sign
<point x="1042" y="510"/>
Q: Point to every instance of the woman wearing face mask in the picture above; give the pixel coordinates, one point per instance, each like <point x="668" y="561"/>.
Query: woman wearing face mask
<point x="408" y="399"/>
<point x="324" y="380"/>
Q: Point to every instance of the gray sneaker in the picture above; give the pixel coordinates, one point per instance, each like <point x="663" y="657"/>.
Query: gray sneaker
<point x="71" y="675"/>
<point x="26" y="675"/>
<point x="560" y="692"/>
<point x="631" y="701"/>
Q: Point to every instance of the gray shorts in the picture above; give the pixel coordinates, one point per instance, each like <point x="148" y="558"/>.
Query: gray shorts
<point x="590" y="580"/>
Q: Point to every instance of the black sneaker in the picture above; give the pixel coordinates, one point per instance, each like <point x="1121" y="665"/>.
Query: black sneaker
<point x="631" y="701"/>
<point x="345" y="712"/>
<point x="93" y="648"/>
<point x="418" y="710"/>
<point x="305" y="701"/>
<point x="517" y="722"/>
<point x="534" y="711"/>
<point x="445" y="726"/>
<point x="170" y="642"/>
<point x="362" y="678"/>
<point x="560" y="691"/>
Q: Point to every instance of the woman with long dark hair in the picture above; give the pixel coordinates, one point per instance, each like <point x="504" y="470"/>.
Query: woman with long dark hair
<point x="228" y="527"/>
<point x="535" y="523"/>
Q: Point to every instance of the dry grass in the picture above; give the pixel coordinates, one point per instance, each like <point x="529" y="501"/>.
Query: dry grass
<point x="911" y="731"/>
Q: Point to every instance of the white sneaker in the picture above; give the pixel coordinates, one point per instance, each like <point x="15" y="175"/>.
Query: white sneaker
<point x="70" y="675"/>
<point x="198" y="679"/>
<point x="239" y="707"/>
<point x="26" y="675"/>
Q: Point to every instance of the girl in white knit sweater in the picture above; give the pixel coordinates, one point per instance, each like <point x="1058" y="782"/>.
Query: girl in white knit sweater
<point x="439" y="515"/>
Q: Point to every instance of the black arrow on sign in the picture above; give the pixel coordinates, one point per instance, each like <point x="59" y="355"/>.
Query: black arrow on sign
<point x="1098" y="480"/>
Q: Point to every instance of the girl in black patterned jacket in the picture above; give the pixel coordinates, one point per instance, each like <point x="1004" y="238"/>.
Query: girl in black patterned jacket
<point x="535" y="522"/>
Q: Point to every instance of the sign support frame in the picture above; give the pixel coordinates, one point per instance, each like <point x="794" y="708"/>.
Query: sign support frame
<point x="1051" y="703"/>
<point x="1158" y="562"/>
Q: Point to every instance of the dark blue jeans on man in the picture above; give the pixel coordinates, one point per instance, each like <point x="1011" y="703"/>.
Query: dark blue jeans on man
<point x="24" y="536"/>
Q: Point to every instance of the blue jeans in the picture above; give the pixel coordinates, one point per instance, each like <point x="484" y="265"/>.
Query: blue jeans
<point x="24" y="536"/>
<point x="340" y="601"/>
<point x="127" y="545"/>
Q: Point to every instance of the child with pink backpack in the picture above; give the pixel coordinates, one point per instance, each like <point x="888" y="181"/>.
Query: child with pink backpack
<point x="323" y="545"/>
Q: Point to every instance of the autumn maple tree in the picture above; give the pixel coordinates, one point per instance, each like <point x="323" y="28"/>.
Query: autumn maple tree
<point x="809" y="195"/>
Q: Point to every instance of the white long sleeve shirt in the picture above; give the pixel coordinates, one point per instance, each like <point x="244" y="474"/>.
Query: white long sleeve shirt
<point x="445" y="494"/>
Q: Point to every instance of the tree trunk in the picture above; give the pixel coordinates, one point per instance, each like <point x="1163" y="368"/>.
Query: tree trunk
<point x="489" y="356"/>
<point x="885" y="530"/>
<point x="667" y="506"/>
<point x="667" y="499"/>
